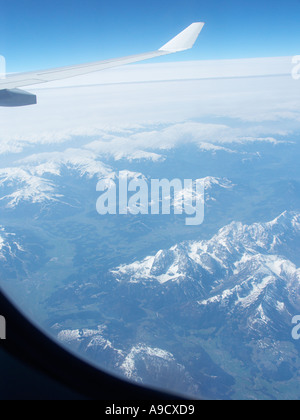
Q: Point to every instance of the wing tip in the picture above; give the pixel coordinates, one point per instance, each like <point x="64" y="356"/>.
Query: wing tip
<point x="185" y="40"/>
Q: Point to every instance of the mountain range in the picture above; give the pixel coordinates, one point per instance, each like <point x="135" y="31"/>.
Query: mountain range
<point x="220" y="309"/>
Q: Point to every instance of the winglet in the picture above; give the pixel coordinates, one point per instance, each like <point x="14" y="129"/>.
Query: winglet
<point x="185" y="40"/>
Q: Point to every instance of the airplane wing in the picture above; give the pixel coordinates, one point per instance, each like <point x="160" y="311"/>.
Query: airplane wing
<point x="10" y="95"/>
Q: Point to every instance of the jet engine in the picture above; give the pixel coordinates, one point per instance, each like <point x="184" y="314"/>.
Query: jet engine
<point x="16" y="97"/>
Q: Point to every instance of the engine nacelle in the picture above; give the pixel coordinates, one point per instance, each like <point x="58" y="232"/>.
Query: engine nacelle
<point x="16" y="97"/>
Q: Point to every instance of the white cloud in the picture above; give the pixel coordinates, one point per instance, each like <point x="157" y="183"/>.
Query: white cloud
<point x="184" y="101"/>
<point x="208" y="137"/>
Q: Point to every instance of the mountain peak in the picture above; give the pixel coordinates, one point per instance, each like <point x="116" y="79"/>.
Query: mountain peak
<point x="235" y="247"/>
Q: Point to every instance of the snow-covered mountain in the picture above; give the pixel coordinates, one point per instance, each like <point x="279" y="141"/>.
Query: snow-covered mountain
<point x="41" y="178"/>
<point x="38" y="179"/>
<point x="241" y="288"/>
<point x="9" y="245"/>
<point x="140" y="363"/>
<point x="237" y="253"/>
<point x="220" y="309"/>
<point x="15" y="258"/>
<point x="242" y="268"/>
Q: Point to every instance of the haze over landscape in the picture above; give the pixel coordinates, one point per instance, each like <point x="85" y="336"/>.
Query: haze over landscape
<point x="204" y="311"/>
<point x="148" y="297"/>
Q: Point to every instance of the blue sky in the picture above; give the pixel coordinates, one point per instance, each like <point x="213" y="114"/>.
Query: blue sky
<point x="47" y="33"/>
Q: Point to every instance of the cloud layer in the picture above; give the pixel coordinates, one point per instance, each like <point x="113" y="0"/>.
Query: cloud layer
<point x="212" y="104"/>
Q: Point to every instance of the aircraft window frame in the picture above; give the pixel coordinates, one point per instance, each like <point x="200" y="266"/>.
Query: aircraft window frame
<point x="37" y="351"/>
